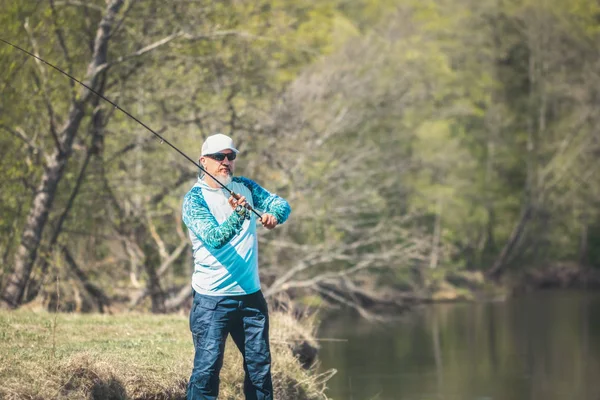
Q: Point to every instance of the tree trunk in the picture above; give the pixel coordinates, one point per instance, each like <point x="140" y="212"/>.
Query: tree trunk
<point x="437" y="233"/>
<point x="97" y="133"/>
<point x="532" y="185"/>
<point x="496" y="270"/>
<point x="151" y="263"/>
<point x="101" y="299"/>
<point x="25" y="257"/>
<point x="583" y="246"/>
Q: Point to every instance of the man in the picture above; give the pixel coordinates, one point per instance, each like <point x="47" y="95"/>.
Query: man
<point x="226" y="285"/>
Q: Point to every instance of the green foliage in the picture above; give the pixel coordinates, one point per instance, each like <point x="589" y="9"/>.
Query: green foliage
<point x="431" y="124"/>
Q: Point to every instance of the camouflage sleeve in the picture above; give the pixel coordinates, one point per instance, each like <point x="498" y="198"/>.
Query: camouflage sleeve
<point x="267" y="202"/>
<point x="199" y="220"/>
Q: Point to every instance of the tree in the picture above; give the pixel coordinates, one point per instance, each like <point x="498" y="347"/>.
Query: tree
<point x="55" y="163"/>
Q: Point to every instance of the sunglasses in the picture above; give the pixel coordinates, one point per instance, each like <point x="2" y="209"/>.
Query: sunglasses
<point x="221" y="156"/>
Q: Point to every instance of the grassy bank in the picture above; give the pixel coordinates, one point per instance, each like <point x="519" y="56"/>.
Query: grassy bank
<point x="75" y="356"/>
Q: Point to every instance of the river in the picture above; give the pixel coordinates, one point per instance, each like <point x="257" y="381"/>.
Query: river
<point x="539" y="346"/>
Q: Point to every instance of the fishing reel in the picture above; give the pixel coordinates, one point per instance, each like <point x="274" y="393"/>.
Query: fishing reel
<point x="243" y="212"/>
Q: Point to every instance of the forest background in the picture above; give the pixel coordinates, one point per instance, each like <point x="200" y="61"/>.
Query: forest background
<point x="420" y="143"/>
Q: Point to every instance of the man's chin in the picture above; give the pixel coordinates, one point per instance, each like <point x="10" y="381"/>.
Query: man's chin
<point x="225" y="179"/>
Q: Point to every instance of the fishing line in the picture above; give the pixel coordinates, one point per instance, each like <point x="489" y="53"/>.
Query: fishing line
<point x="115" y="105"/>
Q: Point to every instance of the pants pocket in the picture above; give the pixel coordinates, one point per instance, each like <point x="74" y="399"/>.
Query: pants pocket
<point x="201" y="318"/>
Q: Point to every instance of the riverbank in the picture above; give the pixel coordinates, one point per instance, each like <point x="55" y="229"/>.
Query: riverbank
<point x="556" y="276"/>
<point x="372" y="302"/>
<point x="473" y="286"/>
<point x="133" y="356"/>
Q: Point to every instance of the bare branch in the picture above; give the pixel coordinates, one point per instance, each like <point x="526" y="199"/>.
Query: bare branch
<point x="35" y="49"/>
<point x="102" y="300"/>
<point x="170" y="38"/>
<point x="42" y="85"/>
<point x="280" y="283"/>
<point x="184" y="295"/>
<point x="134" y="257"/>
<point x="63" y="45"/>
<point x="140" y="52"/>
<point x="352" y="304"/>
<point x="19" y="133"/>
<point x="172" y="257"/>
<point x="352" y="254"/>
<point x="79" y="4"/>
<point x="221" y="34"/>
<point x="177" y="220"/>
<point x="125" y="14"/>
<point x="162" y="250"/>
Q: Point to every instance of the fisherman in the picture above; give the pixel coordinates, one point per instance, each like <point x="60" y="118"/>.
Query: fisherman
<point x="225" y="282"/>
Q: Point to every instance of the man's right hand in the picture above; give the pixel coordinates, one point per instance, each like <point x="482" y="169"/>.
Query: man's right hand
<point x="233" y="202"/>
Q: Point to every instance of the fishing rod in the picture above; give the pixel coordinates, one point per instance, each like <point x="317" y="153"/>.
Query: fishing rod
<point x="115" y="105"/>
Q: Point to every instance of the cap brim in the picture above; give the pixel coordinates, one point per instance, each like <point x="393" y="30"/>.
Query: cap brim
<point x="236" y="151"/>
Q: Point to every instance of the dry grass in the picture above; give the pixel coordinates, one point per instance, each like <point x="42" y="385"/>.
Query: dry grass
<point x="130" y="356"/>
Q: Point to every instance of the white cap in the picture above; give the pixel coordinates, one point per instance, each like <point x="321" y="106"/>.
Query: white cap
<point x="216" y="143"/>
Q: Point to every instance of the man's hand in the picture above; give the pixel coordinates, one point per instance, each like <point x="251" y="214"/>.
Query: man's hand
<point x="233" y="202"/>
<point x="268" y="221"/>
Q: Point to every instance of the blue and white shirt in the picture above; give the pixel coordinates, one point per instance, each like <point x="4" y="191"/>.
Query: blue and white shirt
<point x="225" y="245"/>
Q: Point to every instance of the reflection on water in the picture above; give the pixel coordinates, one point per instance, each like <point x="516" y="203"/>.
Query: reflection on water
<point x="542" y="346"/>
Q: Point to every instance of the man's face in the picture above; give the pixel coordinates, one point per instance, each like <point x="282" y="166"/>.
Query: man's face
<point x="221" y="169"/>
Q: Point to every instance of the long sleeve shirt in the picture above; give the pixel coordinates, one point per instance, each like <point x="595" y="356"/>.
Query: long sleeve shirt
<point x="224" y="244"/>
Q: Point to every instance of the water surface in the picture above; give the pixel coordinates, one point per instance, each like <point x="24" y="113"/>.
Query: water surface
<point x="540" y="346"/>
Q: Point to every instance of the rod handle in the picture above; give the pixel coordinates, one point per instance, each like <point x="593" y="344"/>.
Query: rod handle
<point x="248" y="206"/>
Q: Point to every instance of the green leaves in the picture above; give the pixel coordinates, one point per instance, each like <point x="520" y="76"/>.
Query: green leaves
<point x="451" y="115"/>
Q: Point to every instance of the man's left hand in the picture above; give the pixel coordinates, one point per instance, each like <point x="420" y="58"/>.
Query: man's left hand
<point x="268" y="221"/>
